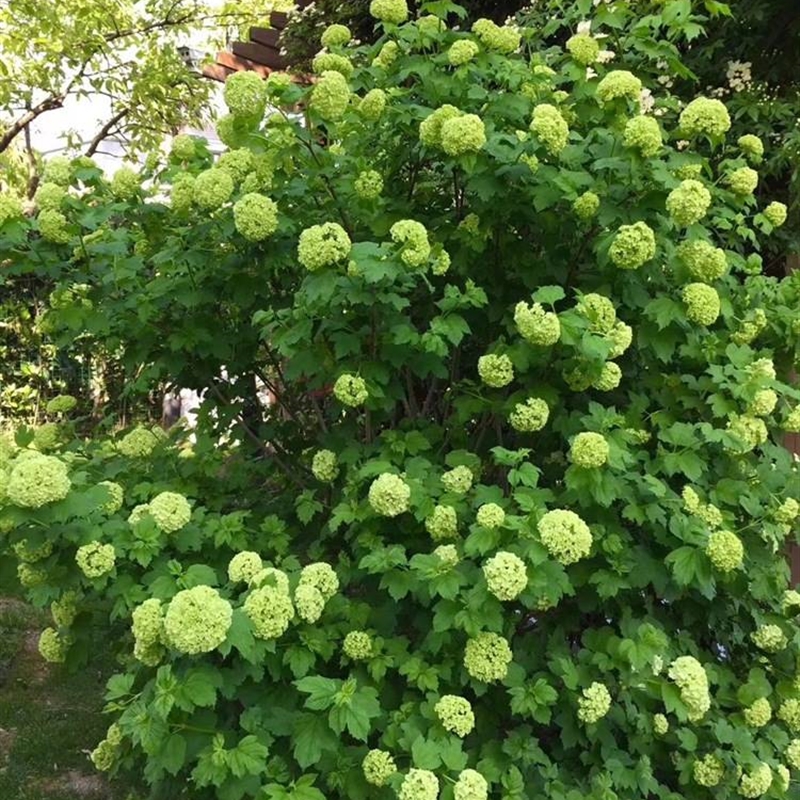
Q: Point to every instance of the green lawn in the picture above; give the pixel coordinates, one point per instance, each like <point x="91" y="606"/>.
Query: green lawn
<point x="49" y="719"/>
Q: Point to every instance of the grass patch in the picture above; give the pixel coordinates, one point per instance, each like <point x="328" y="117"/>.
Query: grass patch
<point x="50" y="719"/>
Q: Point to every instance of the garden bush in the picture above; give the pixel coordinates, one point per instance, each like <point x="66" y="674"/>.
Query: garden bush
<point x="514" y="522"/>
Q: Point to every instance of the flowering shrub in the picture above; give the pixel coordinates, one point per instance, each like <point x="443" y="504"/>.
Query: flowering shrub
<point x="511" y="523"/>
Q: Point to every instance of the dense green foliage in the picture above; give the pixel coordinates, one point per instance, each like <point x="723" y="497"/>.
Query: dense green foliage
<point x="512" y="523"/>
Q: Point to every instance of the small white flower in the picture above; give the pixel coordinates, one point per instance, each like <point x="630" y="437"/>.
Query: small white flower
<point x="604" y="56"/>
<point x="590" y="73"/>
<point x="585" y="26"/>
<point x="647" y="101"/>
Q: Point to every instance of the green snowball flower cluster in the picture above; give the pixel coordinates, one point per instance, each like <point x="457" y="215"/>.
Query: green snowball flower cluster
<point x="245" y="94"/>
<point x="270" y="610"/>
<point x="48" y="195"/>
<point x="389" y="495"/>
<point x="550" y="128"/>
<point x="418" y="784"/>
<point x="751" y="431"/>
<point x="584" y="48"/>
<point x="743" y="181"/>
<point x="10" y="207"/>
<point x="725" y="551"/>
<point x="751" y="146"/>
<point x="181" y="195"/>
<point x="463" y="134"/>
<point x="65" y="609"/>
<point x="586" y="206"/>
<point x="702" y="303"/>
<point x="387" y="55"/>
<point x="244" y="566"/>
<point x="116" y="495"/>
<point x="783" y="778"/>
<point x="595" y="703"/>
<point x="620" y="337"/>
<point x="332" y="62"/>
<point x="336" y="36"/>
<point x="501" y="39"/>
<point x="47" y="436"/>
<point x="197" y="620"/>
<point x="139" y="513"/>
<point x="30" y="555"/>
<point x="660" y="725"/>
<point x="496" y="371"/>
<point x="793" y="754"/>
<point x="270" y="576"/>
<point x="704" y="261"/>
<point x="52" y="646"/>
<point x="147" y="627"/>
<point x="61" y="404"/>
<point x="686" y="171"/>
<point x="490" y="515"/>
<point x="442" y="523"/>
<point x="330" y="96"/>
<point x="789" y="712"/>
<point x="633" y="246"/>
<point x="95" y="559"/>
<point x="787" y="511"/>
<point x="775" y="213"/>
<point x="447" y="554"/>
<point x="368" y="184"/>
<point x="183" y="148"/>
<point x="430" y="25"/>
<point x="610" y="377"/>
<point x="471" y="785"/>
<point x="763" y="403"/>
<point x="57" y="170"/>
<point x="324" y="466"/>
<point x="458" y="480"/>
<point x="37" y="480"/>
<point x="372" y="105"/>
<point x="125" y="184"/>
<point x="323" y="245"/>
<point x="455" y="714"/>
<point x="430" y="129"/>
<point x="708" y="771"/>
<point x="486" y="657"/>
<point x="350" y="390"/>
<point x="792" y="421"/>
<point x="536" y="325"/>
<point x="413" y="238"/>
<point x="589" y="450"/>
<point x="619" y="83"/>
<point x="565" y="535"/>
<point x="689" y="676"/>
<point x="239" y="163"/>
<point x="53" y="226"/>
<point x="462" y="52"/>
<point x="758" y="714"/>
<point x="790" y="604"/>
<point x="644" y="134"/>
<point x="598" y="311"/>
<point x="212" y="188"/>
<point x="769" y="638"/>
<point x="392" y="12"/>
<point x="689" y="202"/>
<point x="756" y="782"/>
<point x="378" y="766"/>
<point x="170" y="510"/>
<point x="704" y="116"/>
<point x="441" y="264"/>
<point x="321" y="577"/>
<point x="506" y="575"/>
<point x="30" y="577"/>
<point x="357" y="645"/>
<point x="255" y="217"/>
<point x="751" y="327"/>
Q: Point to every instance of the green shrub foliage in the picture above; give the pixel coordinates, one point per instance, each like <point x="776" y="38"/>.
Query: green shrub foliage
<point x="513" y="525"/>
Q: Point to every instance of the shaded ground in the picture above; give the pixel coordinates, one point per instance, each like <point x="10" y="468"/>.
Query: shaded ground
<point x="49" y="719"/>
